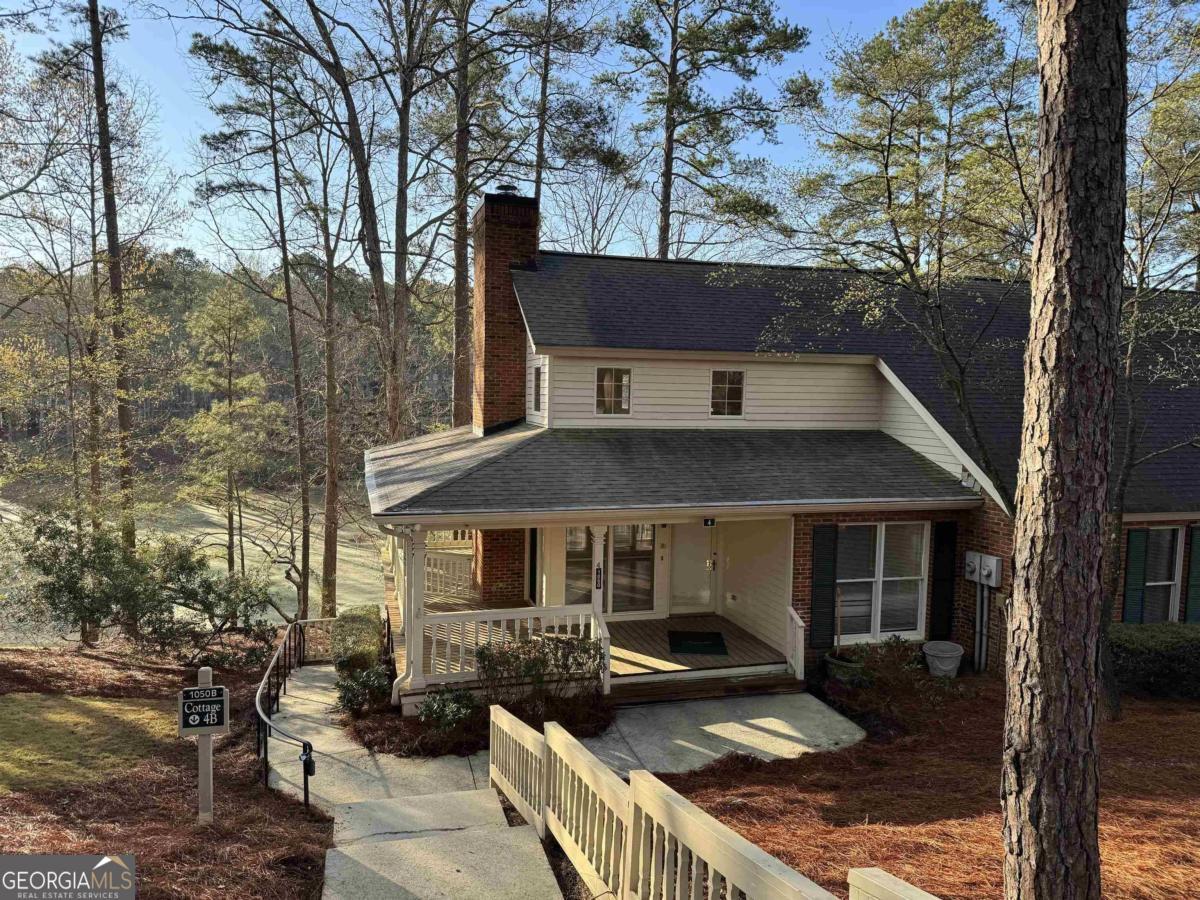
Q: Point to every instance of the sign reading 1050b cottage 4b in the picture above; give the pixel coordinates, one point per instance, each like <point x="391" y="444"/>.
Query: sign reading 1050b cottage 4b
<point x="203" y="710"/>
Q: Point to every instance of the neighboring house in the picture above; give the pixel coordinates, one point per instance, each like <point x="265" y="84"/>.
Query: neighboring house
<point x="637" y="469"/>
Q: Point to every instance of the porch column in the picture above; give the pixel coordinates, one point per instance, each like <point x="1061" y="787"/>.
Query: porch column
<point x="598" y="534"/>
<point x="415" y="632"/>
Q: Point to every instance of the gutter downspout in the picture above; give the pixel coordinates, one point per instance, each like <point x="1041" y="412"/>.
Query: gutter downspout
<point x="400" y="534"/>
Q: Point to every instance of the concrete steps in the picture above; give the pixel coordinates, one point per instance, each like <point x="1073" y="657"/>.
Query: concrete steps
<point x="403" y="828"/>
<point x="492" y="862"/>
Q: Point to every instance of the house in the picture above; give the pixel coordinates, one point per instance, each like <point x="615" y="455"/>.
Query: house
<point x="637" y="469"/>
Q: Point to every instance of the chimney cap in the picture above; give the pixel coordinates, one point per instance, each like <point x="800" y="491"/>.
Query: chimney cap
<point x="506" y="188"/>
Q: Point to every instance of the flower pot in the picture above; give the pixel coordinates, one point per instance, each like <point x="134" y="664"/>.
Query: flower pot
<point x="846" y="671"/>
<point x="943" y="658"/>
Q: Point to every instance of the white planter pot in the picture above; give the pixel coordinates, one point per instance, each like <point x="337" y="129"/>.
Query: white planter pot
<point x="943" y="658"/>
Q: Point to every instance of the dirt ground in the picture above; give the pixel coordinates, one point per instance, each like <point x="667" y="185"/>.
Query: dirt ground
<point x="262" y="844"/>
<point x="925" y="806"/>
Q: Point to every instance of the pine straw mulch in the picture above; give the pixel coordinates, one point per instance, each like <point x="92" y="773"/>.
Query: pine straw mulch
<point x="88" y="673"/>
<point x="925" y="806"/>
<point x="262" y="844"/>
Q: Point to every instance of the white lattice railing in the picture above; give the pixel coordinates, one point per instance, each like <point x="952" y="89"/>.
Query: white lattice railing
<point x="448" y="574"/>
<point x="451" y="639"/>
<point x="795" y="643"/>
<point x="586" y="809"/>
<point x="642" y="840"/>
<point x="515" y="759"/>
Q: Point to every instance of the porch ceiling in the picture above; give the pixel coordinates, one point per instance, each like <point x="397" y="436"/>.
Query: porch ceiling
<point x="563" y="473"/>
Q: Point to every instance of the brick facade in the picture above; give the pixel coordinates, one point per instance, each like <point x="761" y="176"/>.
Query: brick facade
<point x="505" y="230"/>
<point x="505" y="233"/>
<point x="499" y="568"/>
<point x="986" y="530"/>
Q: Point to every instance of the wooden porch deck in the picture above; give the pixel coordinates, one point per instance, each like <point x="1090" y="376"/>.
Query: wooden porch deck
<point x="642" y="646"/>
<point x="638" y="647"/>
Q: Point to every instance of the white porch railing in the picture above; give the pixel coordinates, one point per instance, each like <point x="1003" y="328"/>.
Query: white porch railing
<point x="795" y="643"/>
<point x="448" y="574"/>
<point x="876" y="884"/>
<point x="451" y="639"/>
<point x="642" y="840"/>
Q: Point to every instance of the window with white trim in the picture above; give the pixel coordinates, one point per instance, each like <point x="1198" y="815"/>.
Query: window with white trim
<point x="613" y="390"/>
<point x="1162" y="574"/>
<point x="881" y="579"/>
<point x="728" y="386"/>
<point x="537" y="388"/>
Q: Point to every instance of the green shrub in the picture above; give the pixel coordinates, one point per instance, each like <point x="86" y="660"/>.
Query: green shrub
<point x="364" y="688"/>
<point x="1161" y="659"/>
<point x="449" y="709"/>
<point x="357" y="638"/>
<point x="539" y="675"/>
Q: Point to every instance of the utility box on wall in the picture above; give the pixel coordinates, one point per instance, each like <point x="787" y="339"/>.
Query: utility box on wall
<point x="982" y="569"/>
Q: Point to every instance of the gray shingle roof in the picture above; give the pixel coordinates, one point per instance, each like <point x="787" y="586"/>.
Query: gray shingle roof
<point x="611" y="302"/>
<point x="557" y="470"/>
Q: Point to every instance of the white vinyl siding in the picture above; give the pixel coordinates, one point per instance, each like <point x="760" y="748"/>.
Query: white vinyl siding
<point x="898" y="419"/>
<point x="755" y="568"/>
<point x="533" y="361"/>
<point x="678" y="393"/>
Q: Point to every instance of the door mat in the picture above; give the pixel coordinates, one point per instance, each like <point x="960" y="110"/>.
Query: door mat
<point x="709" y="643"/>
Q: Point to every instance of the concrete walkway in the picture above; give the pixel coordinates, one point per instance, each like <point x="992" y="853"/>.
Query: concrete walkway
<point x="403" y="828"/>
<point x="679" y="737"/>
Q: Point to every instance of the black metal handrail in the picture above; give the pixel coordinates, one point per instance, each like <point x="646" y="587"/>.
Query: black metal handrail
<point x="289" y="655"/>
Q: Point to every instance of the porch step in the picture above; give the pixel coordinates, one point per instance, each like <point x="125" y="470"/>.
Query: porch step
<point x="635" y="691"/>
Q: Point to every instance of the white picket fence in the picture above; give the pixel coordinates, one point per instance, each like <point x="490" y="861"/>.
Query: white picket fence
<point x="642" y="840"/>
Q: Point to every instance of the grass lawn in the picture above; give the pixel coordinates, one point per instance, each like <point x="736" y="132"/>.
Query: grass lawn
<point x="82" y="773"/>
<point x="53" y="741"/>
<point x="925" y="805"/>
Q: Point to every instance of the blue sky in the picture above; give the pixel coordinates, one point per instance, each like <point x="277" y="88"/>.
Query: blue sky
<point x="156" y="55"/>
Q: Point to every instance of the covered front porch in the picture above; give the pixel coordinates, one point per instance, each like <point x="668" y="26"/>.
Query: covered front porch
<point x="667" y="601"/>
<point x="673" y="548"/>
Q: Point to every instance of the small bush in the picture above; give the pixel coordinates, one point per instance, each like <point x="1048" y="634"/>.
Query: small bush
<point x="537" y="675"/>
<point x="363" y="689"/>
<point x="357" y="638"/>
<point x="449" y="709"/>
<point x="1161" y="659"/>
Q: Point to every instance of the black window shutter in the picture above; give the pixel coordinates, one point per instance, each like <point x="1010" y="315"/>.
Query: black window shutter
<point x="1193" y="583"/>
<point x="824" y="585"/>
<point x="945" y="569"/>
<point x="1135" y="574"/>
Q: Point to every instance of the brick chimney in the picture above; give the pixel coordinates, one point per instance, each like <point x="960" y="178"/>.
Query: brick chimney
<point x="505" y="233"/>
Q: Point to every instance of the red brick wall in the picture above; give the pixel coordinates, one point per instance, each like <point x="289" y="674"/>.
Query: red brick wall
<point x="1188" y="562"/>
<point x="499" y="567"/>
<point x="505" y="232"/>
<point x="802" y="551"/>
<point x="986" y="530"/>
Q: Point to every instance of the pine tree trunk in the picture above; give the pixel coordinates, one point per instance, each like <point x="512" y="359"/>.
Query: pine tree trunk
<point x="462" y="294"/>
<point x="372" y="247"/>
<point x="543" y="107"/>
<point x="115" y="285"/>
<point x="1049" y="774"/>
<point x="302" y="475"/>
<point x="333" y="426"/>
<point x="667" y="176"/>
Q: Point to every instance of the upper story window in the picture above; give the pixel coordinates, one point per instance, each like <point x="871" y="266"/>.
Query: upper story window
<point x="613" y="390"/>
<point x="727" y="390"/>
<point x="881" y="578"/>
<point x="537" y="388"/>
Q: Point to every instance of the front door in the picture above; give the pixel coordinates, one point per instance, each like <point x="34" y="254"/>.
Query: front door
<point x="693" y="564"/>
